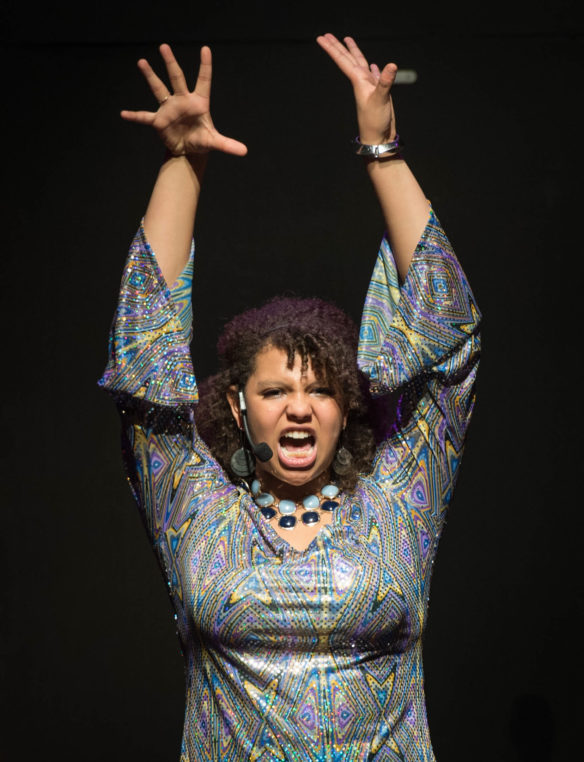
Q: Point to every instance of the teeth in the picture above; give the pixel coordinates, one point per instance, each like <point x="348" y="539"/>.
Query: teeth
<point x="297" y="434"/>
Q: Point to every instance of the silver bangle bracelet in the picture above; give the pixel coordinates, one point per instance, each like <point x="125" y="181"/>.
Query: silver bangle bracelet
<point x="380" y="151"/>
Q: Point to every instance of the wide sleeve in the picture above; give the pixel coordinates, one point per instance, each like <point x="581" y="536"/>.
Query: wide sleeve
<point x="419" y="343"/>
<point x="149" y="356"/>
<point x="150" y="375"/>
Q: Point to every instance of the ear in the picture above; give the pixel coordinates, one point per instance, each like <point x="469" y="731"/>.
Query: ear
<point x="234" y="405"/>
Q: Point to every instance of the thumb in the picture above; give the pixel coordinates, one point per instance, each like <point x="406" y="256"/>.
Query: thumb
<point x="229" y="145"/>
<point x="387" y="77"/>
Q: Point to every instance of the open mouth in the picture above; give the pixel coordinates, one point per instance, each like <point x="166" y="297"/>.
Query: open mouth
<point x="297" y="448"/>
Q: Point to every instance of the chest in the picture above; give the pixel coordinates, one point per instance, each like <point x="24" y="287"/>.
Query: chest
<point x="360" y="583"/>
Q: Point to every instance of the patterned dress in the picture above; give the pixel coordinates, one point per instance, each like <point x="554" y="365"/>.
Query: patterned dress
<point x="316" y="654"/>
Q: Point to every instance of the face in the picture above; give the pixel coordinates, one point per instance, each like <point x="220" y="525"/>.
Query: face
<point x="298" y="415"/>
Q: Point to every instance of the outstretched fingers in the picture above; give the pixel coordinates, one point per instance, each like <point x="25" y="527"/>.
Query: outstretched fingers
<point x="355" y="51"/>
<point x="351" y="61"/>
<point x="159" y="89"/>
<point x="175" y="73"/>
<point x="339" y="53"/>
<point x="203" y="86"/>
<point x="332" y="45"/>
<point x="140" y="117"/>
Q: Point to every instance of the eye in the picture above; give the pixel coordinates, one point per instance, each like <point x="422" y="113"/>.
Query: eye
<point x="323" y="391"/>
<point x="270" y="393"/>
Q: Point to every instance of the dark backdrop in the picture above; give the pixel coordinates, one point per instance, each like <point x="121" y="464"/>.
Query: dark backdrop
<point x="91" y="667"/>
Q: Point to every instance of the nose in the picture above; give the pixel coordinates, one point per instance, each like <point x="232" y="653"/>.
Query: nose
<point x="299" y="407"/>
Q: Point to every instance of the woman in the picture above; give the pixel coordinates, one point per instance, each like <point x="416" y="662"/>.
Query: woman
<point x="301" y="598"/>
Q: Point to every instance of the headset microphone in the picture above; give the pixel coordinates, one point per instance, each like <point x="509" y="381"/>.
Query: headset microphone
<point x="262" y="451"/>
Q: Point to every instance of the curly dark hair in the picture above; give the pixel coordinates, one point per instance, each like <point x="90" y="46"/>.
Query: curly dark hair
<point x="320" y="334"/>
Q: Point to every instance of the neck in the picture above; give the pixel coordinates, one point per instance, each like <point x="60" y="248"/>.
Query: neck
<point x="284" y="491"/>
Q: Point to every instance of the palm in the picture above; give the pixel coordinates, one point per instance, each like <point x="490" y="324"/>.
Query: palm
<point x="184" y="123"/>
<point x="183" y="119"/>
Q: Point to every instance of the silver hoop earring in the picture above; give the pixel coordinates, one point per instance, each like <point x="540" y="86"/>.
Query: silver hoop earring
<point x="343" y="460"/>
<point x="242" y="461"/>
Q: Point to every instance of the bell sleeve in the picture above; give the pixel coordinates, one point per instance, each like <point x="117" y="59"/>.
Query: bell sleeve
<point x="150" y="375"/>
<point x="419" y="346"/>
<point x="149" y="356"/>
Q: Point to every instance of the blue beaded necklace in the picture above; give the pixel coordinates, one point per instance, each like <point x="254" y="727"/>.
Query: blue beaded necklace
<point x="312" y="505"/>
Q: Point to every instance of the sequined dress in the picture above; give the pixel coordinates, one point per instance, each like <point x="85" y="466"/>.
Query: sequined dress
<point x="302" y="655"/>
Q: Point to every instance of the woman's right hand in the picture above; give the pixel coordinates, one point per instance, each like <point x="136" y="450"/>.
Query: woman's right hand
<point x="183" y="119"/>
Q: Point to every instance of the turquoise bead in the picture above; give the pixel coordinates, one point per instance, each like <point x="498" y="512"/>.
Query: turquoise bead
<point x="311" y="502"/>
<point x="264" y="499"/>
<point x="256" y="487"/>
<point x="330" y="491"/>
<point x="286" y="507"/>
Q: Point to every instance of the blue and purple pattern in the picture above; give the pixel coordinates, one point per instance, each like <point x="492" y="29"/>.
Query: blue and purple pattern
<point x="312" y="655"/>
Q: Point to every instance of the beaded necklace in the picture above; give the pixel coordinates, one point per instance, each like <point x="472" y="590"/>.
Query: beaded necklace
<point x="312" y="505"/>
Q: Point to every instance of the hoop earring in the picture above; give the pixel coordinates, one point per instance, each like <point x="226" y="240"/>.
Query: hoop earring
<point x="242" y="461"/>
<point x="343" y="460"/>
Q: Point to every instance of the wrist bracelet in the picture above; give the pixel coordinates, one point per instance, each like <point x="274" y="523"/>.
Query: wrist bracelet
<point x="380" y="151"/>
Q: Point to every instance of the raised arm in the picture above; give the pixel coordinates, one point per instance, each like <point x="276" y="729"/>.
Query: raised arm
<point x="404" y="206"/>
<point x="183" y="121"/>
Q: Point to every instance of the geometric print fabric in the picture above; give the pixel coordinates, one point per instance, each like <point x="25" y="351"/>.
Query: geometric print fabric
<point x="315" y="654"/>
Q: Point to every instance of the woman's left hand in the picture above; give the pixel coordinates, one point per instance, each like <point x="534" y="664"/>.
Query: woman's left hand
<point x="371" y="87"/>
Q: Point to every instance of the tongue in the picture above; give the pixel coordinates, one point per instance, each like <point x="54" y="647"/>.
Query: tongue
<point x="297" y="456"/>
<point x="298" y="445"/>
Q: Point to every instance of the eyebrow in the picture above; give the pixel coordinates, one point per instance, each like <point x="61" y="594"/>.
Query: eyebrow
<point x="270" y="382"/>
<point x="266" y="383"/>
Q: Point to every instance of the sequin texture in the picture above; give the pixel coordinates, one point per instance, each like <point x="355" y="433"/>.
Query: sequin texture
<point x="312" y="655"/>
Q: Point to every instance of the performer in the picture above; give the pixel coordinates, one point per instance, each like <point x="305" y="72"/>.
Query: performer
<point x="295" y="511"/>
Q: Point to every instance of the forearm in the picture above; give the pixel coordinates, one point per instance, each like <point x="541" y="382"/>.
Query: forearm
<point x="402" y="202"/>
<point x="404" y="206"/>
<point x="170" y="216"/>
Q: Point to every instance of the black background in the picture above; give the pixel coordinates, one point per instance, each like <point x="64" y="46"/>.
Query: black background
<point x="91" y="668"/>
